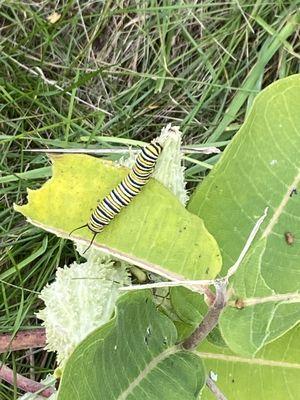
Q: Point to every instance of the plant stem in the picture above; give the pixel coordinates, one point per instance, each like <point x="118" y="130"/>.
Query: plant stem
<point x="23" y="340"/>
<point x="25" y="384"/>
<point x="211" y="318"/>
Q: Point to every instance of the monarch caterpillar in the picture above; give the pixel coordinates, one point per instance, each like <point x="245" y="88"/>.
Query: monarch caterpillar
<point x="121" y="195"/>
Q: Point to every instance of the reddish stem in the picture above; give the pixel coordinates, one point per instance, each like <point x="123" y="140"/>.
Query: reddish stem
<point x="23" y="340"/>
<point x="25" y="384"/>
<point x="210" y="296"/>
<point x="210" y="320"/>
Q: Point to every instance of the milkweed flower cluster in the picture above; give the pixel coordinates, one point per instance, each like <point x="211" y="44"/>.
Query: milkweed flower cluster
<point x="169" y="169"/>
<point x="81" y="299"/>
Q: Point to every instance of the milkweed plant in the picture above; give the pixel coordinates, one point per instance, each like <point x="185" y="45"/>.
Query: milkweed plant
<point x="83" y="296"/>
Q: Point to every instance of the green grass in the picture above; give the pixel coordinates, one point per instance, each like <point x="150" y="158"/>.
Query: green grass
<point x="122" y="70"/>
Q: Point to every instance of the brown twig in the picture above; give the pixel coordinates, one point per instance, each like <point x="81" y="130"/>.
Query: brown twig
<point x="210" y="383"/>
<point x="25" y="384"/>
<point x="211" y="318"/>
<point x="209" y="295"/>
<point x="23" y="340"/>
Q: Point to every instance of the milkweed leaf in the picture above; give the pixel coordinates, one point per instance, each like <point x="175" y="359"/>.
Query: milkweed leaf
<point x="272" y="374"/>
<point x="133" y="356"/>
<point x="154" y="230"/>
<point x="260" y="168"/>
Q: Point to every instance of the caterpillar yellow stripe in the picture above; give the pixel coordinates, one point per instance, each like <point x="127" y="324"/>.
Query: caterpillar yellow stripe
<point x="130" y="186"/>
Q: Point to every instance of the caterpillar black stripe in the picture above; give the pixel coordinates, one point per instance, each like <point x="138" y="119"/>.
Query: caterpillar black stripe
<point x="121" y="196"/>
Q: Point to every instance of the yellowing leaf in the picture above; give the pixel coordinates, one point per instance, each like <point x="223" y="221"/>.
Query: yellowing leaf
<point x="154" y="231"/>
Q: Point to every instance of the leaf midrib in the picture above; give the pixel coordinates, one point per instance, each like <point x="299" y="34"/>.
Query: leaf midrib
<point x="150" y="366"/>
<point x="244" y="360"/>
<point x="279" y="210"/>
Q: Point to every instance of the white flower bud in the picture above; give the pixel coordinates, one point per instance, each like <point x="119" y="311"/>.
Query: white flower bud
<point x="81" y="299"/>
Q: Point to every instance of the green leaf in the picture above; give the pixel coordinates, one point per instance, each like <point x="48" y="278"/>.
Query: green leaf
<point x="184" y="330"/>
<point x="189" y="308"/>
<point x="28" y="175"/>
<point x="248" y="329"/>
<point x="261" y="167"/>
<point x="155" y="231"/>
<point x="272" y="375"/>
<point x="133" y="356"/>
<point x="188" y="305"/>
